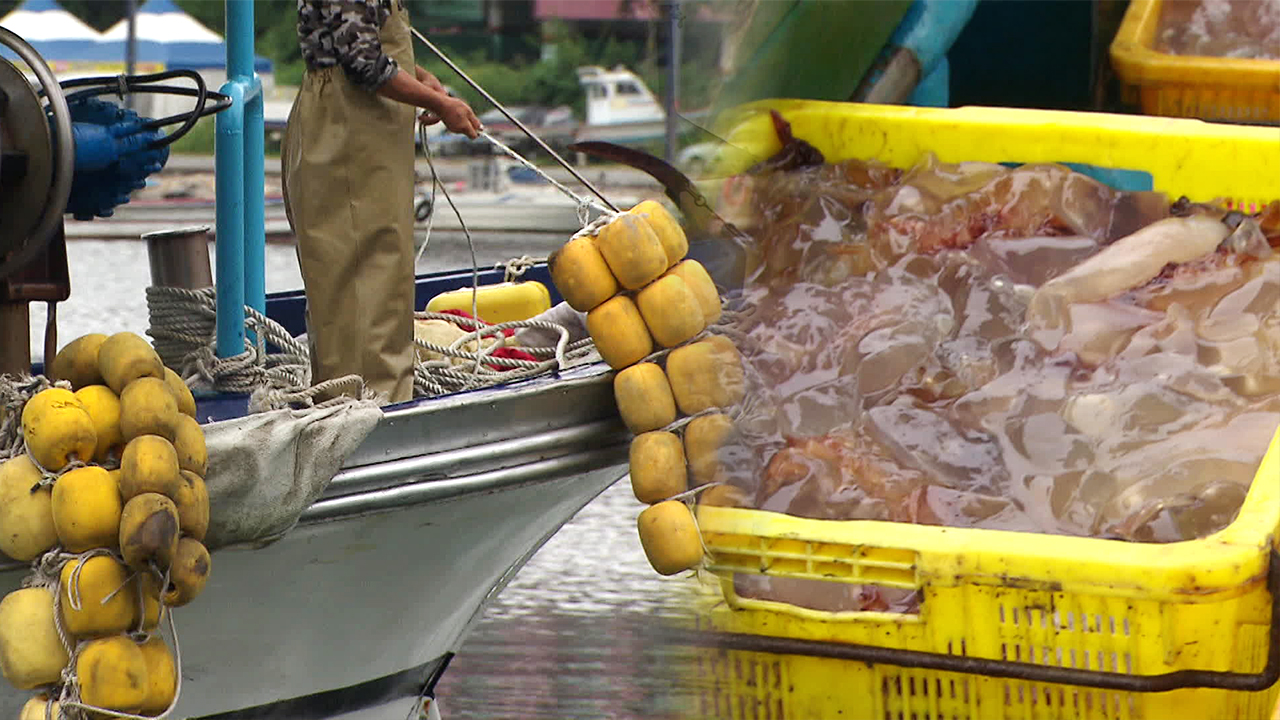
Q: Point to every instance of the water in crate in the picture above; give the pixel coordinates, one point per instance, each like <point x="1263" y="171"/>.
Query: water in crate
<point x="1020" y="349"/>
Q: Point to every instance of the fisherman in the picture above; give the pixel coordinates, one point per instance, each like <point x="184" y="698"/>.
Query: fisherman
<point x="347" y="165"/>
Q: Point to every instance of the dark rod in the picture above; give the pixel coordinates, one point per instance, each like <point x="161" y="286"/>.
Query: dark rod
<point x="673" y="76"/>
<point x="517" y="123"/>
<point x="131" y="47"/>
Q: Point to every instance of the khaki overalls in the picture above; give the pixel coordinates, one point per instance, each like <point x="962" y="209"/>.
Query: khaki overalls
<point x="347" y="170"/>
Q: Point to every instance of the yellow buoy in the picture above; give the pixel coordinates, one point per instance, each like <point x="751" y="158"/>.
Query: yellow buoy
<point x="148" y="407"/>
<point x="498" y="303"/>
<point x="669" y="537"/>
<point x="103" y="407"/>
<point x="702" y="286"/>
<point x="149" y="585"/>
<point x="162" y="675"/>
<point x="644" y="398"/>
<point x="125" y="357"/>
<point x="703" y="438"/>
<point x="633" y="252"/>
<point x="724" y="496"/>
<point x="149" y="531"/>
<point x="113" y="674"/>
<point x="181" y="393"/>
<point x="657" y="466"/>
<point x="77" y="361"/>
<point x="26" y="513"/>
<point x="619" y="332"/>
<point x="149" y="465"/>
<point x="705" y="374"/>
<point x="664" y="225"/>
<point x="85" y="587"/>
<point x="31" y="653"/>
<point x="188" y="443"/>
<point x="190" y="571"/>
<point x="86" y="509"/>
<point x="57" y="429"/>
<point x="670" y="311"/>
<point x="37" y="706"/>
<point x="581" y="275"/>
<point x="192" y="501"/>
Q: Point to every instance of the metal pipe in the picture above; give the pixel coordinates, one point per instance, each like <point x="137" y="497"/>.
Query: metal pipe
<point x="673" y="77"/>
<point x="239" y="38"/>
<point x="131" y="47"/>
<point x="180" y="258"/>
<point x="509" y="116"/>
<point x="240" y="160"/>
<point x="255" y="235"/>
<point x="229" y="208"/>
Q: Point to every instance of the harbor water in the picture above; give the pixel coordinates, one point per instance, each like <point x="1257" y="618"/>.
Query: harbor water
<point x="572" y="636"/>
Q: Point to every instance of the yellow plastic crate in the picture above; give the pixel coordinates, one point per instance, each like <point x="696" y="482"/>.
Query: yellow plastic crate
<point x="1097" y="623"/>
<point x="1223" y="89"/>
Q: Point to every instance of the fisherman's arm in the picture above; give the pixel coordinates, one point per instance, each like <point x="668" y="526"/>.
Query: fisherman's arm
<point x="426" y="78"/>
<point x="360" y="54"/>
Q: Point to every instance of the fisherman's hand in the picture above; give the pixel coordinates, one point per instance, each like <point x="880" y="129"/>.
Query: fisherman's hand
<point x="459" y="118"/>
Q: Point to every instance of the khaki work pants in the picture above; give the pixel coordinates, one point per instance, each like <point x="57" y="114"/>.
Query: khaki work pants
<point x="347" y="170"/>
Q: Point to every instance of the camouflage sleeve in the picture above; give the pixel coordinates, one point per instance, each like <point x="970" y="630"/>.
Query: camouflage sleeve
<point x="345" y="33"/>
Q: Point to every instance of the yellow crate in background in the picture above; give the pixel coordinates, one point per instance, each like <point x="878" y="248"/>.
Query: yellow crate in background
<point x="1209" y="88"/>
<point x="1054" y="604"/>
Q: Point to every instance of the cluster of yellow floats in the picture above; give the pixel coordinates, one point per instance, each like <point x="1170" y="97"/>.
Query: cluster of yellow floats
<point x="109" y="505"/>
<point x="647" y="308"/>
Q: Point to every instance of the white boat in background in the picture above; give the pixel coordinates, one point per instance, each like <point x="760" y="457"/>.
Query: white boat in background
<point x="622" y="109"/>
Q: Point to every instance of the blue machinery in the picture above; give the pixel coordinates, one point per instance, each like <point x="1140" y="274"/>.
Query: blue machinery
<point x="239" y="152"/>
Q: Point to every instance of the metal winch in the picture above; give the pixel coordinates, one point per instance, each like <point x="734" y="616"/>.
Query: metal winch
<point x="64" y="150"/>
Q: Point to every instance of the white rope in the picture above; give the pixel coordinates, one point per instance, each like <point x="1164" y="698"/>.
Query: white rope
<point x="515" y="268"/>
<point x="435" y="183"/>
<point x="585" y="204"/>
<point x="14" y="393"/>
<point x="183" y="326"/>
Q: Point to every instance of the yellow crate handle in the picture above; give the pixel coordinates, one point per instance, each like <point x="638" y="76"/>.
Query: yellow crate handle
<point x="1240" y="682"/>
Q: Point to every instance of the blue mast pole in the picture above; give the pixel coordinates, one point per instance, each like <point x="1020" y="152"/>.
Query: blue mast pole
<point x="238" y="150"/>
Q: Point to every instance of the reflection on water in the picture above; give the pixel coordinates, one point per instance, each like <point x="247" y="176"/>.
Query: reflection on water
<point x="573" y="635"/>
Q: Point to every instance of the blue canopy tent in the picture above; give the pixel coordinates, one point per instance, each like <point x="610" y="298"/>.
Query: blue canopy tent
<point x="164" y="35"/>
<point x="167" y="35"/>
<point x="55" y="33"/>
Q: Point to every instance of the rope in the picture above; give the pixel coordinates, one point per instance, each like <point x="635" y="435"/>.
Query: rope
<point x="183" y="325"/>
<point x="70" y="695"/>
<point x="435" y="183"/>
<point x="515" y="268"/>
<point x="46" y="572"/>
<point x="14" y="393"/>
<point x="585" y="204"/>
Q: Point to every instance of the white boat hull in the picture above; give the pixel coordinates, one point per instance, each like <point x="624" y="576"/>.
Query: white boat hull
<point x="429" y="519"/>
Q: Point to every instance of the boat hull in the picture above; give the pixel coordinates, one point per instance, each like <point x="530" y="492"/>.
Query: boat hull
<point x="340" y="602"/>
<point x="427" y="521"/>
